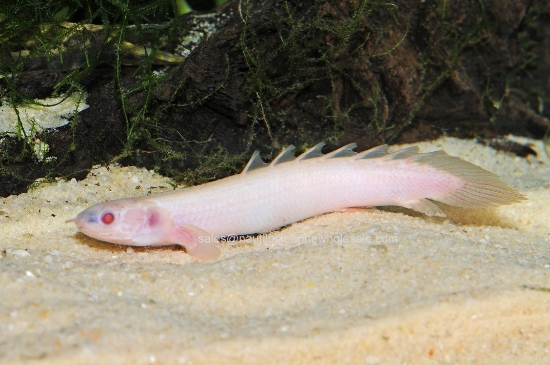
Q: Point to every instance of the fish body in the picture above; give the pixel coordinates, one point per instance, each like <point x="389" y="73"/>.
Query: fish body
<point x="266" y="197"/>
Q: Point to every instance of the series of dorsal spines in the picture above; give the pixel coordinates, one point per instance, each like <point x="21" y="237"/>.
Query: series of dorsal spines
<point x="287" y="155"/>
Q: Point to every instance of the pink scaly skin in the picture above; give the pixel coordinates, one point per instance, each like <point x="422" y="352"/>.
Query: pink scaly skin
<point x="265" y="197"/>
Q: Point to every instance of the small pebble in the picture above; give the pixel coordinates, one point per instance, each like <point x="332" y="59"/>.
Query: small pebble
<point x="18" y="253"/>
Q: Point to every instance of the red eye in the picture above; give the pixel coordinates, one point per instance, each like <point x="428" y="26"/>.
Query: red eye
<point x="108" y="218"/>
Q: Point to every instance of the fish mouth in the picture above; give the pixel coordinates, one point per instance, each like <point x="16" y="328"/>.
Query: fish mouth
<point x="110" y="237"/>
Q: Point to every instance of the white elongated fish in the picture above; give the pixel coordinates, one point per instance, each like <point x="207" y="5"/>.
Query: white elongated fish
<point x="265" y="197"/>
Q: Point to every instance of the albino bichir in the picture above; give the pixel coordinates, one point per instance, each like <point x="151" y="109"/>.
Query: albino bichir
<point x="265" y="197"/>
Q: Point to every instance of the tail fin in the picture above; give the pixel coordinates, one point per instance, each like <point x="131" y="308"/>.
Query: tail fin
<point x="481" y="187"/>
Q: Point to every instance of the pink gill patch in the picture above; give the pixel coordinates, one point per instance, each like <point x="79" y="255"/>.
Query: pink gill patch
<point x="153" y="218"/>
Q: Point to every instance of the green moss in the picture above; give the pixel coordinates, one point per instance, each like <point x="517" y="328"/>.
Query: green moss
<point x="316" y="50"/>
<point x="308" y="52"/>
<point x="313" y="49"/>
<point x="75" y="37"/>
<point x="71" y="39"/>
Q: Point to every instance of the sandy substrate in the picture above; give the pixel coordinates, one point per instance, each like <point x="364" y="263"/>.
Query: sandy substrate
<point x="366" y="286"/>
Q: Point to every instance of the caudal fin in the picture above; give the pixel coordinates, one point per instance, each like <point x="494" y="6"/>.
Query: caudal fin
<point x="481" y="188"/>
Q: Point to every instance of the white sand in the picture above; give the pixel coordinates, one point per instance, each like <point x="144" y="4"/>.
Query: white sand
<point x="366" y="287"/>
<point x="49" y="113"/>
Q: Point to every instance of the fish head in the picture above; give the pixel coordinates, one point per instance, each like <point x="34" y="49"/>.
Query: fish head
<point x="125" y="221"/>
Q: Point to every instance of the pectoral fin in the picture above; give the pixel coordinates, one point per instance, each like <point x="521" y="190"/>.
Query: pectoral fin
<point x="197" y="242"/>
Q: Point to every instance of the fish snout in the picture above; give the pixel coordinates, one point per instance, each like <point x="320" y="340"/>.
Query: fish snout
<point x="76" y="220"/>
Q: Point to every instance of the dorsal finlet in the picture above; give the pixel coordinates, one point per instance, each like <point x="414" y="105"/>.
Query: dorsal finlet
<point x="255" y="162"/>
<point x="313" y="152"/>
<point x="345" y="151"/>
<point x="404" y="153"/>
<point x="286" y="155"/>
<point x="375" y="152"/>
